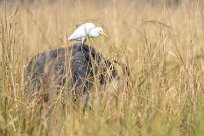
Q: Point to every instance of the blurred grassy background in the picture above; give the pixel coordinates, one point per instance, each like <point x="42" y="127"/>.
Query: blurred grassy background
<point x="161" y="41"/>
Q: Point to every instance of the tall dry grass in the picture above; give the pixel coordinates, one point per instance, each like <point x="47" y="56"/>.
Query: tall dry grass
<point x="163" y="46"/>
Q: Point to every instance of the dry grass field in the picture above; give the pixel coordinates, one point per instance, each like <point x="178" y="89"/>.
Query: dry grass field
<point x="162" y="45"/>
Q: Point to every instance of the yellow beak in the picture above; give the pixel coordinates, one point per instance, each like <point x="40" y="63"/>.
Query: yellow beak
<point x="103" y="33"/>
